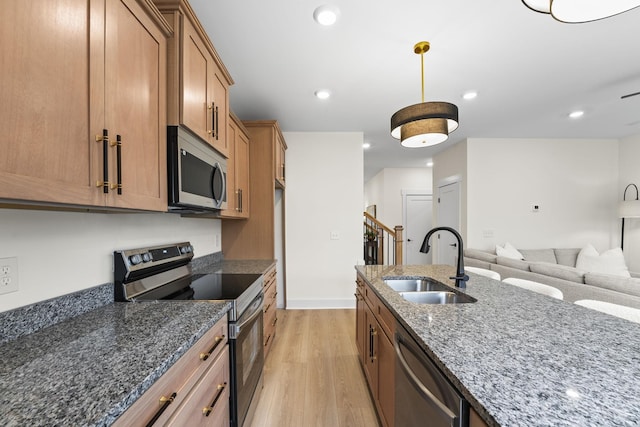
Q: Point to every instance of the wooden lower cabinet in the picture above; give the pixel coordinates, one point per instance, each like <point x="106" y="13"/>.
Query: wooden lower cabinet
<point x="375" y="344"/>
<point x="193" y="392"/>
<point x="270" y="309"/>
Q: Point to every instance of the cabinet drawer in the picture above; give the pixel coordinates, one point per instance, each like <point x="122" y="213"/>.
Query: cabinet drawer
<point x="208" y="403"/>
<point x="176" y="383"/>
<point x="269" y="278"/>
<point x="380" y="311"/>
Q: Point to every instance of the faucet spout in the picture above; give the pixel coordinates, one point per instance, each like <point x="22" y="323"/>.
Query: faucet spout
<point x="460" y="277"/>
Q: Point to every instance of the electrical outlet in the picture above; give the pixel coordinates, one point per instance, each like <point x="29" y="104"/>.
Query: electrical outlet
<point x="8" y="275"/>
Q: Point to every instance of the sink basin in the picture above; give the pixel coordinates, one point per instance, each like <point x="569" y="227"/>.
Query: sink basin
<point x="437" y="297"/>
<point x="415" y="285"/>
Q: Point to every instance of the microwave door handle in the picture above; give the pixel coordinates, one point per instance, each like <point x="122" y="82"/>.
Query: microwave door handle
<point x="218" y="200"/>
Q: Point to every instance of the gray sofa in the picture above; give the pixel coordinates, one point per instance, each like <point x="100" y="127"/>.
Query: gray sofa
<point x="556" y="267"/>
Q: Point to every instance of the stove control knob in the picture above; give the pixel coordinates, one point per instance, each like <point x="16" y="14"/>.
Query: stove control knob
<point x="135" y="259"/>
<point x="186" y="249"/>
<point x="146" y="257"/>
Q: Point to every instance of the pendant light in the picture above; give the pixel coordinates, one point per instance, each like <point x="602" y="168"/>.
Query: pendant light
<point x="578" y="11"/>
<point x="427" y="123"/>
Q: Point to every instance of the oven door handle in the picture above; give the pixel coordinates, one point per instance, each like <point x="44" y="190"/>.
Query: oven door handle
<point x="258" y="311"/>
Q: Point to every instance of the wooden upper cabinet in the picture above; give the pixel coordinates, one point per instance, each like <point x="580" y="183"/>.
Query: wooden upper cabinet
<point x="71" y="69"/>
<point x="198" y="80"/>
<point x="255" y="237"/>
<point x="237" y="171"/>
<point x="135" y="113"/>
<point x="279" y="165"/>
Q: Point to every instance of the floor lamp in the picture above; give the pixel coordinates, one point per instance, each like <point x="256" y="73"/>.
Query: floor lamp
<point x="628" y="209"/>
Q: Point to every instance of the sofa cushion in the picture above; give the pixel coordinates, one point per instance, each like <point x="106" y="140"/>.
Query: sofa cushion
<point x="481" y="255"/>
<point x="513" y="263"/>
<point x="508" y="251"/>
<point x="559" y="271"/>
<point x="567" y="256"/>
<point x="609" y="262"/>
<point x="625" y="285"/>
<point x="539" y="255"/>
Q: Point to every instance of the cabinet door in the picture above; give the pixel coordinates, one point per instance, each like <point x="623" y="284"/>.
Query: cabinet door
<point x="361" y="333"/>
<point x="208" y="403"/>
<point x="371" y="350"/>
<point x="135" y="112"/>
<point x="196" y="112"/>
<point x="279" y="163"/>
<point x="51" y="93"/>
<point x="242" y="172"/>
<point x="232" y="190"/>
<point x="219" y="108"/>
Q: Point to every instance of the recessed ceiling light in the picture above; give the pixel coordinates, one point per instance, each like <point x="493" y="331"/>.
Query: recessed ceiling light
<point x="322" y="93"/>
<point x="472" y="94"/>
<point x="429" y="164"/>
<point x="576" y="114"/>
<point x="366" y="145"/>
<point x="326" y="15"/>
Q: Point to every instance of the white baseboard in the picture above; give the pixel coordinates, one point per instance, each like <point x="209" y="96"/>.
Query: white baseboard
<point x="297" y="304"/>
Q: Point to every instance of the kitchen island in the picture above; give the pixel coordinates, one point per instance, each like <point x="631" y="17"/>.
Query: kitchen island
<point x="520" y="358"/>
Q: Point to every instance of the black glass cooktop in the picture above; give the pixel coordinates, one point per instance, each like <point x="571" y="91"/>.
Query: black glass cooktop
<point x="214" y="286"/>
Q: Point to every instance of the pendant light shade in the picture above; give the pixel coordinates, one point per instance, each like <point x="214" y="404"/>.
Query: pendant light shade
<point x="577" y="11"/>
<point x="427" y="123"/>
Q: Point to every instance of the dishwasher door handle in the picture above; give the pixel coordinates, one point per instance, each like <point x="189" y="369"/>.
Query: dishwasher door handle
<point x="424" y="391"/>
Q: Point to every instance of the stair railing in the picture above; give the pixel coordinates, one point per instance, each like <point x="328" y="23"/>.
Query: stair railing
<point x="382" y="245"/>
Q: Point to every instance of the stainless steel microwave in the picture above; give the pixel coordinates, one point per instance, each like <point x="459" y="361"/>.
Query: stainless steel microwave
<point x="197" y="173"/>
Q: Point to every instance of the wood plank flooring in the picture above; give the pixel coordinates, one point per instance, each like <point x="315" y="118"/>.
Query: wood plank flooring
<point x="312" y="377"/>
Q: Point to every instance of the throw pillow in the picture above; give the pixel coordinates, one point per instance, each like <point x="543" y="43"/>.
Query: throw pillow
<point x="508" y="251"/>
<point x="609" y="262"/>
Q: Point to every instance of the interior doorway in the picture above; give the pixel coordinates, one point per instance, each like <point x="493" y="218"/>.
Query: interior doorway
<point x="418" y="219"/>
<point x="448" y="210"/>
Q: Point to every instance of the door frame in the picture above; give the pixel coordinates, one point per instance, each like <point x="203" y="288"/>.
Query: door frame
<point x="405" y="193"/>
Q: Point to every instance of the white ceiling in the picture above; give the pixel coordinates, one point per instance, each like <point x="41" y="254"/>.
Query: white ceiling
<point x="529" y="70"/>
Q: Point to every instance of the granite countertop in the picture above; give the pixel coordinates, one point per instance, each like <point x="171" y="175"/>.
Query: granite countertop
<point x="521" y="358"/>
<point x="87" y="370"/>
<point x="240" y="266"/>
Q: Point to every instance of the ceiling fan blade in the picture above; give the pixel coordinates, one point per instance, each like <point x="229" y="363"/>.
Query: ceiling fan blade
<point x="630" y="95"/>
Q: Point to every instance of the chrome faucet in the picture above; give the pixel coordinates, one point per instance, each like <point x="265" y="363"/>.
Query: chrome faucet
<point x="460" y="277"/>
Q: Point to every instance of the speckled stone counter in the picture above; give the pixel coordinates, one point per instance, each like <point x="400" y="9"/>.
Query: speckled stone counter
<point x="210" y="265"/>
<point x="521" y="358"/>
<point x="87" y="370"/>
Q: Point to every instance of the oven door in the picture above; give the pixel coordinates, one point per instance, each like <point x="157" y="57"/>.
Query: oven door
<point x="247" y="359"/>
<point x="197" y="173"/>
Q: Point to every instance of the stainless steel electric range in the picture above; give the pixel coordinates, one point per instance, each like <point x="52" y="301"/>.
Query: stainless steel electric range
<point x="165" y="273"/>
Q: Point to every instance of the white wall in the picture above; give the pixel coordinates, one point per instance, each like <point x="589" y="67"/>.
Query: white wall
<point x="630" y="173"/>
<point x="63" y="252"/>
<point x="324" y="195"/>
<point x="385" y="191"/>
<point x="575" y="182"/>
<point x="451" y="166"/>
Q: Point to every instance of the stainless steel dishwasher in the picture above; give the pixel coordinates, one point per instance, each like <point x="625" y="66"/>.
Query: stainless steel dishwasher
<point x="424" y="397"/>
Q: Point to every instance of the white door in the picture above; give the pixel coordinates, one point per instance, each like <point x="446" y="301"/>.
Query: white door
<point x="448" y="216"/>
<point x="418" y="220"/>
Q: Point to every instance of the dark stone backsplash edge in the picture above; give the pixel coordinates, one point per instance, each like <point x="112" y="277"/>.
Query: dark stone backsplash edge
<point x="31" y="318"/>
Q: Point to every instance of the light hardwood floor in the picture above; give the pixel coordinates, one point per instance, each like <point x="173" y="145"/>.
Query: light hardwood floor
<point x="312" y="377"/>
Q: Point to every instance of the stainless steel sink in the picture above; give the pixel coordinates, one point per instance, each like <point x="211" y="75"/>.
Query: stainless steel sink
<point x="437" y="297"/>
<point x="415" y="285"/>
